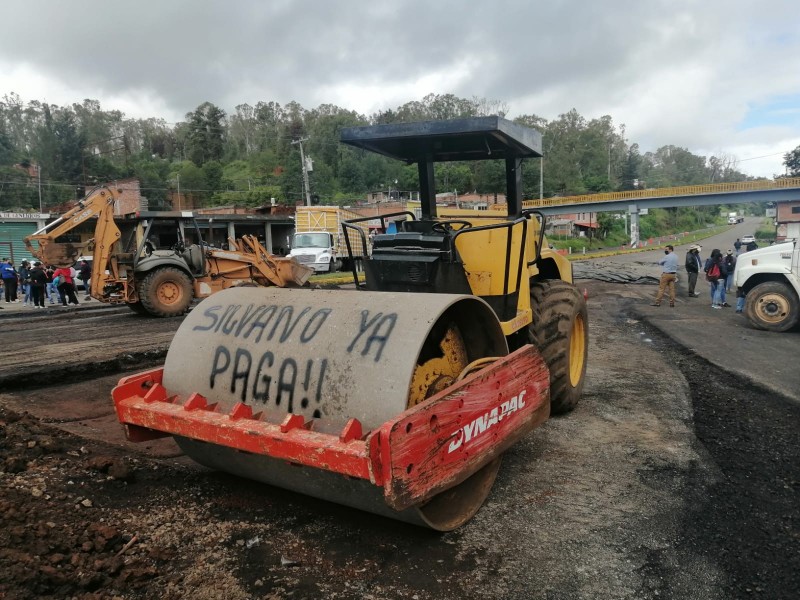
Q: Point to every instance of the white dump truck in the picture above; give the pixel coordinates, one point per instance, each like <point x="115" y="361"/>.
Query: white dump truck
<point x="770" y="278"/>
<point x="319" y="241"/>
<point x="734" y="218"/>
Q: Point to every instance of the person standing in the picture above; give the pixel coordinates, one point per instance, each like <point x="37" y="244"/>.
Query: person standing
<point x="669" y="270"/>
<point x="693" y="266"/>
<point x="25" y="282"/>
<point x="730" y="266"/>
<point x="740" y="299"/>
<point x="38" y="279"/>
<point x="85" y="275"/>
<point x="66" y="285"/>
<point x="715" y="275"/>
<point x="52" y="292"/>
<point x="737" y="245"/>
<point x="10" y="279"/>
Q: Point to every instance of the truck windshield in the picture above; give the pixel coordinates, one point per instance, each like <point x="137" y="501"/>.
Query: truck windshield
<point x="312" y="240"/>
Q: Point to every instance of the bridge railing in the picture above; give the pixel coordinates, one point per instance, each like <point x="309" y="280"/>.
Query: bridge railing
<point x="685" y="190"/>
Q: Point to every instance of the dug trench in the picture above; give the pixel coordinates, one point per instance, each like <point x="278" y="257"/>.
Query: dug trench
<point x="84" y="514"/>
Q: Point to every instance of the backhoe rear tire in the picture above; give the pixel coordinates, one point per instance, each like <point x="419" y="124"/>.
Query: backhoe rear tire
<point x="166" y="292"/>
<point x="560" y="332"/>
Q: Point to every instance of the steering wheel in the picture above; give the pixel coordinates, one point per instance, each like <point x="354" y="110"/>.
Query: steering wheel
<point x="179" y="246"/>
<point x="447" y="226"/>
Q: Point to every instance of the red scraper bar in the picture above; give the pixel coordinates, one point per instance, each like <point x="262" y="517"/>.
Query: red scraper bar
<point x="423" y="451"/>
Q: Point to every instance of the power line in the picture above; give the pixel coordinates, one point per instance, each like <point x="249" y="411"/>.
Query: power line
<point x="764" y="156"/>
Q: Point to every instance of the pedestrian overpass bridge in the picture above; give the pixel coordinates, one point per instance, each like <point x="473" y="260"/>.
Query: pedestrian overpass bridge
<point x="742" y="192"/>
<point x="632" y="202"/>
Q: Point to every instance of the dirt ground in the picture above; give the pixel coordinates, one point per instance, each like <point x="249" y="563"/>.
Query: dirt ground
<point x="670" y="480"/>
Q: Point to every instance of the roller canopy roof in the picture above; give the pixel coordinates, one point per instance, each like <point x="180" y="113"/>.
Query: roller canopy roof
<point x="476" y="138"/>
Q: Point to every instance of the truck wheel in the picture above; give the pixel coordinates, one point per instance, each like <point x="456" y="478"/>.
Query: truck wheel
<point x="560" y="332"/>
<point x="772" y="306"/>
<point x="166" y="292"/>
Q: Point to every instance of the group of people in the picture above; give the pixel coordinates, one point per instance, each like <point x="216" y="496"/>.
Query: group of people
<point x="718" y="270"/>
<point x="33" y="283"/>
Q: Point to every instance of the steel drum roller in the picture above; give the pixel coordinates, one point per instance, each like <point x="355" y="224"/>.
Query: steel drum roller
<point x="330" y="356"/>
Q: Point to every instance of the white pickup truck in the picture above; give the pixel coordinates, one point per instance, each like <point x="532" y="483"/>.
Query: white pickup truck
<point x="770" y="278"/>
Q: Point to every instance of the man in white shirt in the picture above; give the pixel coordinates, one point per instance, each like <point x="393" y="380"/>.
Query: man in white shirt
<point x="669" y="270"/>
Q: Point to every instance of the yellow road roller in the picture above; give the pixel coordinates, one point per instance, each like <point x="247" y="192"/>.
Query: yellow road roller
<point x="398" y="397"/>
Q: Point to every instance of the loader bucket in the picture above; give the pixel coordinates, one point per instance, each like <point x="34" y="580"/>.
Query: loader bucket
<point x="289" y="271"/>
<point x="60" y="255"/>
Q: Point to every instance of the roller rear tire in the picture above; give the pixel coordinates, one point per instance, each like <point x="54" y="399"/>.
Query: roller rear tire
<point x="166" y="292"/>
<point x="560" y="332"/>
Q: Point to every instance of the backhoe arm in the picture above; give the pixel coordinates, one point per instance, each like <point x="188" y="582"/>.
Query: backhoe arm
<point x="98" y="203"/>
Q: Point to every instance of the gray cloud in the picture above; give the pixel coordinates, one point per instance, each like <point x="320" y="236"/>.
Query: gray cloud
<point x="677" y="71"/>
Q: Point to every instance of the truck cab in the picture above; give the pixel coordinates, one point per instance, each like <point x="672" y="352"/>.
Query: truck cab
<point x="770" y="280"/>
<point x="315" y="249"/>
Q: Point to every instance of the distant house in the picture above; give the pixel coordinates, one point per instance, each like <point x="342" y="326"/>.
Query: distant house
<point x="380" y="196"/>
<point x="131" y="200"/>
<point x="573" y="224"/>
<point x="787" y="221"/>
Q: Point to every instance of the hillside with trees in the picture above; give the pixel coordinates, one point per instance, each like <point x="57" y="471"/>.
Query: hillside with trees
<point x="249" y="156"/>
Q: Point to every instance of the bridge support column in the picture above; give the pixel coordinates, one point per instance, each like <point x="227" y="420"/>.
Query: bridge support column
<point x="633" y="211"/>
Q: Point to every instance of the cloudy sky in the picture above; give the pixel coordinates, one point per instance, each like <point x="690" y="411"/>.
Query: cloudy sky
<point x="714" y="76"/>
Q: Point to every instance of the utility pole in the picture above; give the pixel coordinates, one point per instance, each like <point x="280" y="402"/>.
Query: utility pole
<point x="306" y="189"/>
<point x="179" y="191"/>
<point x="39" y="176"/>
<point x="541" y="177"/>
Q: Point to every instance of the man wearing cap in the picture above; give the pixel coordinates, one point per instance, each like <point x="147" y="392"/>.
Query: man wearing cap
<point x="693" y="265"/>
<point x="669" y="270"/>
<point x="730" y="262"/>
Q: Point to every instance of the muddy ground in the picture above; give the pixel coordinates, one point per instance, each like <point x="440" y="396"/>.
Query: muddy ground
<point x="670" y="480"/>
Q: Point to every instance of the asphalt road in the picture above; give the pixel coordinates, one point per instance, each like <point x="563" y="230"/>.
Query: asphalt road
<point x="722" y="337"/>
<point x="671" y="479"/>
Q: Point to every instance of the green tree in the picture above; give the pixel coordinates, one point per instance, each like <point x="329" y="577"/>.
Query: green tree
<point x="605" y="223"/>
<point x="242" y="132"/>
<point x="190" y="179"/>
<point x="69" y="146"/>
<point x="791" y="161"/>
<point x="7" y="150"/>
<point x="212" y="172"/>
<point x="153" y="176"/>
<point x="489" y="176"/>
<point x="630" y="170"/>
<point x="452" y="176"/>
<point x="563" y="150"/>
<point x="205" y="133"/>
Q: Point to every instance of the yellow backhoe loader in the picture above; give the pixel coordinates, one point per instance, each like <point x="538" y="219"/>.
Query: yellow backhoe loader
<point x="149" y="278"/>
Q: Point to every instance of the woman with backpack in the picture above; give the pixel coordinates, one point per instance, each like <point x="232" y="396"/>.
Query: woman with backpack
<point x="66" y="285"/>
<point x="716" y="272"/>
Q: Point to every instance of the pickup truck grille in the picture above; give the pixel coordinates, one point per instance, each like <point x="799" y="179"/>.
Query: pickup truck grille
<point x="304" y="258"/>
